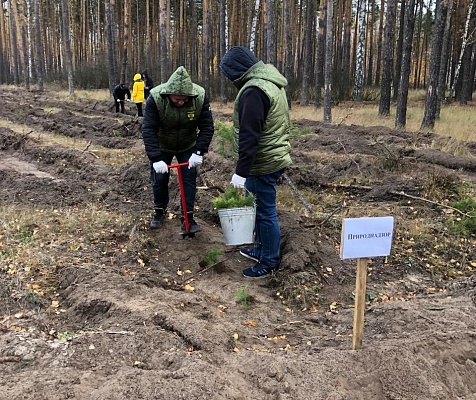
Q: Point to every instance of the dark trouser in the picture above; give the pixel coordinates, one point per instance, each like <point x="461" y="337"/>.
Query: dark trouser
<point x="139" y="110"/>
<point x="160" y="182"/>
<point x="121" y="104"/>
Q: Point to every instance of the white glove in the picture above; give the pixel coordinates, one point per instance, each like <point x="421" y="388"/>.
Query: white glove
<point x="194" y="160"/>
<point x="118" y="100"/>
<point x="128" y="99"/>
<point x="238" y="181"/>
<point x="160" y="167"/>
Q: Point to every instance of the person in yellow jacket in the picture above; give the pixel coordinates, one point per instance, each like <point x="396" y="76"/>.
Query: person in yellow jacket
<point x="138" y="93"/>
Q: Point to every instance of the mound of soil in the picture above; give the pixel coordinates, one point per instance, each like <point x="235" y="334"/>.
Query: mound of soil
<point x="95" y="305"/>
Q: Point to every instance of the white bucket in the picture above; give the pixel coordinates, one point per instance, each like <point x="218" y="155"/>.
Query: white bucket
<point x="238" y="224"/>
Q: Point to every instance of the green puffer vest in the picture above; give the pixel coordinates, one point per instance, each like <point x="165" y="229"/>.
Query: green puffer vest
<point x="178" y="125"/>
<point x="273" y="148"/>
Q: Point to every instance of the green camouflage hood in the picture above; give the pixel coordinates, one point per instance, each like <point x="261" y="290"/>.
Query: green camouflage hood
<point x="179" y="83"/>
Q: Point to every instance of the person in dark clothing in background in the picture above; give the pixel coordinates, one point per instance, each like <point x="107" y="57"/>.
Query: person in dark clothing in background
<point x="178" y="123"/>
<point x="262" y="132"/>
<point x="119" y="93"/>
<point x="148" y="83"/>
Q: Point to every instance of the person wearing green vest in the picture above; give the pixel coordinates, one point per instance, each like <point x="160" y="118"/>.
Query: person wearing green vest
<point x="178" y="123"/>
<point x="262" y="132"/>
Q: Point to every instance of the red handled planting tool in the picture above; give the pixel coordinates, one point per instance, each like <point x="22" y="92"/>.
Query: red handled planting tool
<point x="182" y="198"/>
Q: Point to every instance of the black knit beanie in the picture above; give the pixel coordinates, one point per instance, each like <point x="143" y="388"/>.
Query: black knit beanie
<point x="237" y="61"/>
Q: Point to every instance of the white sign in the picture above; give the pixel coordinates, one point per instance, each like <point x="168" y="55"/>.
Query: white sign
<point x="366" y="237"/>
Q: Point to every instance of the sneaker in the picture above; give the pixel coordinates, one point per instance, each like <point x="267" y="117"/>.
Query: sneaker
<point x="258" y="271"/>
<point x="249" y="253"/>
<point x="157" y="220"/>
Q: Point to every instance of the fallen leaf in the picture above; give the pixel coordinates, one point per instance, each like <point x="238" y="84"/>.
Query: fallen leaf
<point x="235" y="337"/>
<point x="91" y="347"/>
<point x="276" y="338"/>
<point x="189" y="288"/>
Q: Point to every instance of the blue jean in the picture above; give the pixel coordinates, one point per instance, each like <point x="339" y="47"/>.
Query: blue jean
<point x="160" y="182"/>
<point x="267" y="230"/>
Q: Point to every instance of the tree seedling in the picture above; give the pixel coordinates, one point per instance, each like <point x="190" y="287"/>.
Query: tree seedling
<point x="243" y="298"/>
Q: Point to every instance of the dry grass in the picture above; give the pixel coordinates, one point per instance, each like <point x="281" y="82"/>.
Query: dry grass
<point x="34" y="243"/>
<point x="112" y="157"/>
<point x="456" y="120"/>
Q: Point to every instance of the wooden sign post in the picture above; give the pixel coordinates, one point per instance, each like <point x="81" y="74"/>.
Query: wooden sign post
<point x="363" y="238"/>
<point x="359" y="310"/>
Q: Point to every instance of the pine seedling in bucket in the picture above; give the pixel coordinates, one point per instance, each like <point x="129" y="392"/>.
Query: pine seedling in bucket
<point x="237" y="214"/>
<point x="234" y="198"/>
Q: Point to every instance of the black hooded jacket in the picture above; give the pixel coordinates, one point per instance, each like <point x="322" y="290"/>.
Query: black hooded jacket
<point x="148" y="83"/>
<point x="120" y="92"/>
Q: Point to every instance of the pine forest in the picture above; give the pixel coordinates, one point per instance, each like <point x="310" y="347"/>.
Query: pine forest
<point x="329" y="51"/>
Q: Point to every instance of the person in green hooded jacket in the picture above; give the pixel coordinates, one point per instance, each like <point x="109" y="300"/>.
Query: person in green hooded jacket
<point x="262" y="133"/>
<point x="178" y="123"/>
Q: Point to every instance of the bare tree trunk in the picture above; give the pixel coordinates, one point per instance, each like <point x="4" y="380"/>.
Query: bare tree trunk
<point x="359" y="55"/>
<point x="388" y="47"/>
<point x="417" y="50"/>
<point x="466" y="66"/>
<point x="4" y="47"/>
<point x="125" y="44"/>
<point x="110" y="44"/>
<point x="329" y="63"/>
<point x="147" y="44"/>
<point x="21" y="36"/>
<point x="67" y="45"/>
<point x="181" y="34"/>
<point x="271" y="33"/>
<point x="206" y="45"/>
<point x="253" y="25"/>
<point x="163" y="41"/>
<point x="379" y="43"/>
<point x="435" y="60"/>
<point x="193" y="41"/>
<point x="398" y="61"/>
<point x="320" y="53"/>
<point x="442" y="81"/>
<point x="402" y="98"/>
<point x="288" y="49"/>
<point x="222" y="22"/>
<point x="347" y="42"/>
<point x="463" y="47"/>
<point x="370" y="68"/>
<point x="38" y="46"/>
<point x="307" y="65"/>
<point x="263" y="16"/>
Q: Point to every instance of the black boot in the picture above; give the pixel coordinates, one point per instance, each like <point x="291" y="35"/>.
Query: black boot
<point x="193" y="226"/>
<point x="158" y="219"/>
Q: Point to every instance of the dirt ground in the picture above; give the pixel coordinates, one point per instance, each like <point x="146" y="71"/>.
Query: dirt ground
<point x="95" y="305"/>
